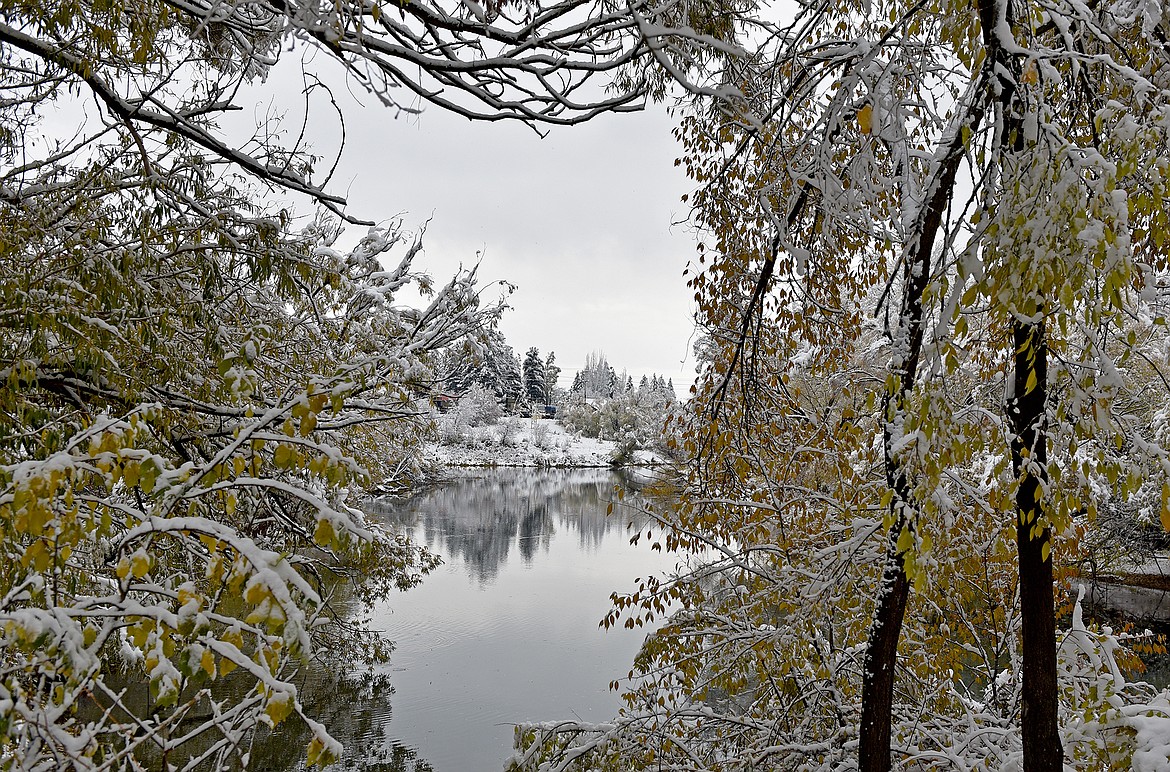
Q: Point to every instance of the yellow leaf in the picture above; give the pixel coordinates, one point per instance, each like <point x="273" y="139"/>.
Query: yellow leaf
<point x="865" y="119"/>
<point x="139" y="565"/>
<point x="207" y="662"/>
<point x="320" y="754"/>
<point x="324" y="534"/>
<point x="283" y="456"/>
<point x="186" y="596"/>
<point x="905" y="541"/>
<point x="1030" y="386"/>
<point x="279" y="706"/>
<point x="1165" y="514"/>
<point x="256" y="593"/>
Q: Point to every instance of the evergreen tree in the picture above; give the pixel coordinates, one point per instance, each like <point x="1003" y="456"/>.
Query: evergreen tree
<point x="552" y="374"/>
<point x="511" y="382"/>
<point x="535" y="387"/>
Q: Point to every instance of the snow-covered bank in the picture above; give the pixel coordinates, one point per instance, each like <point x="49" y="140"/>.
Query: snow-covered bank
<point x="531" y="442"/>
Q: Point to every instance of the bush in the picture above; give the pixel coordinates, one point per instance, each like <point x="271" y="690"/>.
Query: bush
<point x="540" y="432"/>
<point x="509" y="429"/>
<point x="478" y="407"/>
<point x="625" y="419"/>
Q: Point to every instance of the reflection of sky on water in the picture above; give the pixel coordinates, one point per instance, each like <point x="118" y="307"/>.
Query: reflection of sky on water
<point x="506" y="630"/>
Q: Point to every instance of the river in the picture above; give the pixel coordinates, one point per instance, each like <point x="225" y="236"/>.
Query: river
<point x="506" y="629"/>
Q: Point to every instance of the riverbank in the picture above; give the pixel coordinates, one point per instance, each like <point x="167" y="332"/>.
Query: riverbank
<point x="533" y="442"/>
<point x="1138" y="591"/>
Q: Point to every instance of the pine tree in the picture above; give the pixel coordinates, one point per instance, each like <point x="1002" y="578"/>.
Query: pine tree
<point x="535" y="386"/>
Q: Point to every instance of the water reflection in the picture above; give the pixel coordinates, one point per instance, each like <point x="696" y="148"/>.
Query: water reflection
<point x="357" y="709"/>
<point x="506" y="630"/>
<point x="479" y="517"/>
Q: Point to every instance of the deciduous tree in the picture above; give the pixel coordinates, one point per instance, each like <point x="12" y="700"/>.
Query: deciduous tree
<point x="198" y="384"/>
<point x="987" y="182"/>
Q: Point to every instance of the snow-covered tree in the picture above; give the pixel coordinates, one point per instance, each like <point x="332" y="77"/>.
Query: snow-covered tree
<point x="578" y="386"/>
<point x="477" y="407"/>
<point x="482" y="358"/>
<point x="597" y="379"/>
<point x="931" y="291"/>
<point x="552" y="374"/>
<point x="535" y="386"/>
<point x="198" y="384"/>
<point x="185" y="434"/>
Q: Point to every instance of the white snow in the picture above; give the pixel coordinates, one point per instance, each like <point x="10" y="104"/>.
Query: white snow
<point x="530" y="442"/>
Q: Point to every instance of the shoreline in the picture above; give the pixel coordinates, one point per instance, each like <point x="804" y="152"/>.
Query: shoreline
<point x="533" y="443"/>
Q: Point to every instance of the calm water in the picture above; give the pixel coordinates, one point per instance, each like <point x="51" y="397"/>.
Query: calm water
<point x="506" y="630"/>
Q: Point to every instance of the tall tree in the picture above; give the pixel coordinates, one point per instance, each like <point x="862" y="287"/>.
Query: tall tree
<point x="986" y="181"/>
<point x="535" y="387"/>
<point x="552" y="374"/>
<point x="873" y="137"/>
<point x="597" y="377"/>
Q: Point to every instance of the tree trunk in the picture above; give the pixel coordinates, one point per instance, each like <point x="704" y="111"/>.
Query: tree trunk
<point x="877" y="699"/>
<point x="881" y="656"/>
<point x="1038" y="724"/>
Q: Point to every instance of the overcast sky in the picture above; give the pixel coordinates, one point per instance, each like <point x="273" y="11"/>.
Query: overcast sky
<point x="580" y="221"/>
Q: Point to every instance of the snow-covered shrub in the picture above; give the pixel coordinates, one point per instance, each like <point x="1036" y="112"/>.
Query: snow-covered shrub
<point x="540" y="434"/>
<point x="624" y="418"/>
<point x="509" y="430"/>
<point x="623" y="454"/>
<point x="453" y="430"/>
<point x="478" y="407"/>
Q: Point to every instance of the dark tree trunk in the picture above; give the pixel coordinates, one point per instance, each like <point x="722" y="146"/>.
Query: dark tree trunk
<point x="1026" y="412"/>
<point x="881" y="656"/>
<point x="1042" y="749"/>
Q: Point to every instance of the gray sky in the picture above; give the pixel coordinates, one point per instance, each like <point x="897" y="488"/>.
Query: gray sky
<point x="580" y="220"/>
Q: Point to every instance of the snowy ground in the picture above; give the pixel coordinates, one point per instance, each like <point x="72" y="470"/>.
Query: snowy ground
<point x="528" y="442"/>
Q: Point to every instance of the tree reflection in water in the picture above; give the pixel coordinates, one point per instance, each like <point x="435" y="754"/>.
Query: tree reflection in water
<point x="478" y="519"/>
<point x="476" y="523"/>
<point x="356" y="708"/>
